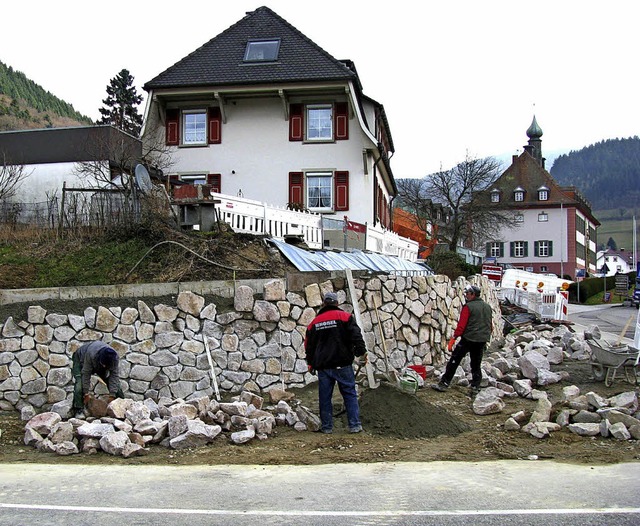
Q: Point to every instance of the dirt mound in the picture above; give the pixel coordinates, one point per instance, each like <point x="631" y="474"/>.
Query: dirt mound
<point x="389" y="411"/>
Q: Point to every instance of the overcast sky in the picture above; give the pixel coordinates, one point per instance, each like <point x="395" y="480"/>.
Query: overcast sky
<point x="454" y="76"/>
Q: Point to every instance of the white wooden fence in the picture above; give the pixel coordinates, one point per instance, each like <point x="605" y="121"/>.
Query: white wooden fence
<point x="254" y="217"/>
<point x="388" y="242"/>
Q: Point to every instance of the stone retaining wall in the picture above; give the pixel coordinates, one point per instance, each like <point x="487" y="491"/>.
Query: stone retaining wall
<point x="255" y="347"/>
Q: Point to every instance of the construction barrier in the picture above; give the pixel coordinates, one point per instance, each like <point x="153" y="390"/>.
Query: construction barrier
<point x="547" y="305"/>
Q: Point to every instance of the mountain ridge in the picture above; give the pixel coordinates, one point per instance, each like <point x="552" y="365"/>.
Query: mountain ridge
<point x="27" y="105"/>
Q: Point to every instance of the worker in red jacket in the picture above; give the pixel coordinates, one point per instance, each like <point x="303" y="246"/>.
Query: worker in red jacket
<point x="332" y="341"/>
<point x="474" y="330"/>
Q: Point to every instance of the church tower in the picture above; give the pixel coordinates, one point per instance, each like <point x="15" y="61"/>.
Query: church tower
<point x="535" y="142"/>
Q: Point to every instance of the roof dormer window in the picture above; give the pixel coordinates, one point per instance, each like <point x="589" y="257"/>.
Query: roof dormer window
<point x="262" y="51"/>
<point x="543" y="193"/>
<point x="518" y="194"/>
<point x="495" y="196"/>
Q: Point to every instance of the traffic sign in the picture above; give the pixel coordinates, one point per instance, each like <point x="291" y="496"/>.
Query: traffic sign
<point x="492" y="272"/>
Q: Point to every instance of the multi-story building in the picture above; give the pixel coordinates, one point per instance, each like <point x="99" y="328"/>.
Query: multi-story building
<point x="554" y="230"/>
<point x="261" y="111"/>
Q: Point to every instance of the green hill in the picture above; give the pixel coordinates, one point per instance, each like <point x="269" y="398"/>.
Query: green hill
<point x="607" y="173"/>
<point x="25" y="104"/>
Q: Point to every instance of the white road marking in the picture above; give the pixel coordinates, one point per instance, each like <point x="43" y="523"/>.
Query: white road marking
<point x="328" y="513"/>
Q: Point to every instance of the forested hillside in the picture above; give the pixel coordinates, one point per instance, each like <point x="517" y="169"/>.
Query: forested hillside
<point x="25" y="104"/>
<point x="607" y="173"/>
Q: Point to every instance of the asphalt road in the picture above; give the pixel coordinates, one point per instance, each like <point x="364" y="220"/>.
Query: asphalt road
<point x="611" y="319"/>
<point x="435" y="493"/>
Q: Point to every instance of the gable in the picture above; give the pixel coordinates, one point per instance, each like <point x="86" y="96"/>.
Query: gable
<point x="221" y="61"/>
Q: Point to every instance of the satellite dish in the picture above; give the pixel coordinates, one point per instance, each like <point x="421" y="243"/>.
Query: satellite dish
<point x="143" y="179"/>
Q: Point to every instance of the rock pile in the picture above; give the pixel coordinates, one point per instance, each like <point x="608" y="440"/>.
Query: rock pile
<point x="520" y="366"/>
<point x="129" y="426"/>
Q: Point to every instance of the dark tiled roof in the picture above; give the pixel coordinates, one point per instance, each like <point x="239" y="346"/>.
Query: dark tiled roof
<point x="220" y="61"/>
<point x="525" y="172"/>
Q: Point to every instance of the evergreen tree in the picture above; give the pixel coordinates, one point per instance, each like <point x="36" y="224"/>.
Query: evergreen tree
<point x="612" y="244"/>
<point x="120" y="106"/>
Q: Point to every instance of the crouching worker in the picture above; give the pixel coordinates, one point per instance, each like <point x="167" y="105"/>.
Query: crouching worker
<point x="94" y="358"/>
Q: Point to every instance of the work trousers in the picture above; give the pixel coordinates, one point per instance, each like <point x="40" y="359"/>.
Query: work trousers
<point x="475" y="351"/>
<point x="345" y="378"/>
<point x="78" y="395"/>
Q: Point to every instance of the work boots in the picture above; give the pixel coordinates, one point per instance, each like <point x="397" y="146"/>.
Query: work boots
<point x="440" y="386"/>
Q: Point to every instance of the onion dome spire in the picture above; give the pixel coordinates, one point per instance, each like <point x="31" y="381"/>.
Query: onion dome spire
<point x="534" y="131"/>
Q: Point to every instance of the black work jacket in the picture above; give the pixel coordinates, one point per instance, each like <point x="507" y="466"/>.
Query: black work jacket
<point x="333" y="339"/>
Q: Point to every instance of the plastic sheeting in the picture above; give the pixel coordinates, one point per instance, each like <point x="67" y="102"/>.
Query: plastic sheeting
<point x="321" y="260"/>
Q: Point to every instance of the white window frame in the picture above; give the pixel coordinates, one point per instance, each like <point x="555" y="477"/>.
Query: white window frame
<point x="518" y="249"/>
<point x="494" y="249"/>
<point x="518" y="195"/>
<point x="544" y="268"/>
<point x="543" y="217"/>
<point x="543" y="249"/>
<point x="519" y="218"/>
<point x="310" y="177"/>
<point x="495" y="197"/>
<point x="194" y="133"/>
<point x="316" y="129"/>
<point x="543" y="195"/>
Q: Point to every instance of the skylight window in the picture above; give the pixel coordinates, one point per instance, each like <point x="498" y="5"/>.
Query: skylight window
<point x="262" y="51"/>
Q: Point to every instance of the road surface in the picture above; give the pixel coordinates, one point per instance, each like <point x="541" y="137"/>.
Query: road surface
<point x="435" y="493"/>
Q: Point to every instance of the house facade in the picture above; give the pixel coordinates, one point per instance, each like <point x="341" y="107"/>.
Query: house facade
<point x="616" y="261"/>
<point x="554" y="229"/>
<point x="263" y="113"/>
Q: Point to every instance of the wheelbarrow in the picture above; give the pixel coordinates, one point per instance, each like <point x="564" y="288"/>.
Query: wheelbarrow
<point x="607" y="360"/>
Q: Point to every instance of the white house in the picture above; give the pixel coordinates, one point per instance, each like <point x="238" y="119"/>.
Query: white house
<point x="617" y="262"/>
<point x="260" y="111"/>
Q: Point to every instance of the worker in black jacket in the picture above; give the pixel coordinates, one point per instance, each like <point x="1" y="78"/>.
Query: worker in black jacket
<point x="94" y="358"/>
<point x="332" y="341"/>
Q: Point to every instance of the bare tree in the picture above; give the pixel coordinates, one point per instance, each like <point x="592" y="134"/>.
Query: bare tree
<point x="156" y="154"/>
<point x="11" y="178"/>
<point x="450" y="200"/>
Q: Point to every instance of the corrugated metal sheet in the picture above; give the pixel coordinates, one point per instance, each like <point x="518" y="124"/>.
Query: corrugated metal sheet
<point x="321" y="260"/>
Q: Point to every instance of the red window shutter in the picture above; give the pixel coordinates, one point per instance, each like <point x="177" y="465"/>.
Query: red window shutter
<point x="341" y="190"/>
<point x="215" y="126"/>
<point x="341" y="117"/>
<point x="296" y="122"/>
<point x="173" y="127"/>
<point x="296" y="188"/>
<point x="215" y="181"/>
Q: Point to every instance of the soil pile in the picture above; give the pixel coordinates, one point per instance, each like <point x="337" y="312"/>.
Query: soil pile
<point x="391" y="412"/>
